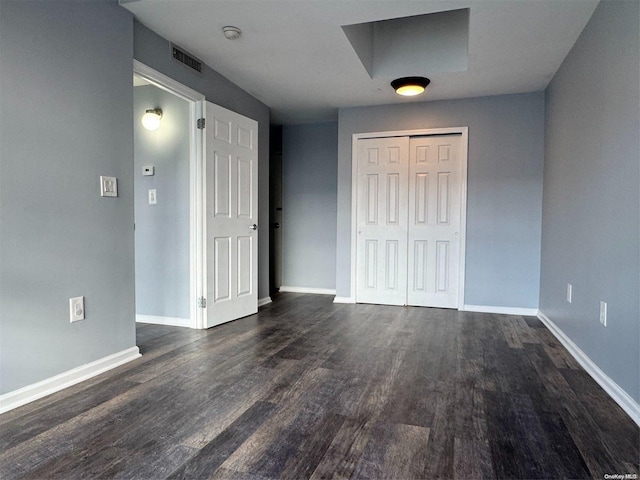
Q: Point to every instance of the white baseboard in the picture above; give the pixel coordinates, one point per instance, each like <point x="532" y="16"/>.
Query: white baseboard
<point x="614" y="390"/>
<point x="263" y="301"/>
<point x="32" y="392"/>
<point x="532" y="312"/>
<point x="344" y="300"/>
<point x="315" y="291"/>
<point x="158" y="320"/>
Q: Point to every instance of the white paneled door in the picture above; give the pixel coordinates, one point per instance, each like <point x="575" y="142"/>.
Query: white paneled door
<point x="409" y="199"/>
<point x="381" y="246"/>
<point x="231" y="215"/>
<point x="434" y="221"/>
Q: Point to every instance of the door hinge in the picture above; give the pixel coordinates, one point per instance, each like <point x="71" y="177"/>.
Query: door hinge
<point x="200" y="123"/>
<point x="202" y="302"/>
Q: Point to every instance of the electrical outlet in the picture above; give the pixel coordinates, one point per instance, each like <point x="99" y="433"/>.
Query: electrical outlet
<point x="76" y="309"/>
<point x="603" y="313"/>
<point x="569" y="292"/>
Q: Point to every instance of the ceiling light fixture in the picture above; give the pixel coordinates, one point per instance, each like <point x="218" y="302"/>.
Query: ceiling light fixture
<point x="151" y="119"/>
<point x="231" y="33"/>
<point x="410" y="86"/>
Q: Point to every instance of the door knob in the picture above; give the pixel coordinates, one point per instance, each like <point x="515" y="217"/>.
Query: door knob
<point x="254" y="227"/>
<point x="276" y="225"/>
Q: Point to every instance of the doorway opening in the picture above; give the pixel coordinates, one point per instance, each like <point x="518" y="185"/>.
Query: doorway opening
<point x="166" y="192"/>
<point x="275" y="209"/>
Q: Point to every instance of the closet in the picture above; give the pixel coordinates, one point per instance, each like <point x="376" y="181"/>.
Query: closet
<point x="408" y="220"/>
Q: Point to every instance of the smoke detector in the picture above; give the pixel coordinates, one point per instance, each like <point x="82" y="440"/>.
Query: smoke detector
<point x="231" y="33"/>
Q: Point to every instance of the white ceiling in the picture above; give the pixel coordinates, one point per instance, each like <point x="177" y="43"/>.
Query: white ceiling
<point x="295" y="58"/>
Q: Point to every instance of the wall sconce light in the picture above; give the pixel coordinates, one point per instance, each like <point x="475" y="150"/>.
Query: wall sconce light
<point x="151" y="119"/>
<point x="410" y="86"/>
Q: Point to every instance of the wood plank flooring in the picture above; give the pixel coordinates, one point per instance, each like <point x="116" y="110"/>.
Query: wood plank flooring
<point x="310" y="389"/>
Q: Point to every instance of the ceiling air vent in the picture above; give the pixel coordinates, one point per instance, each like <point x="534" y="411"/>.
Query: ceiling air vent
<point x="185" y="58"/>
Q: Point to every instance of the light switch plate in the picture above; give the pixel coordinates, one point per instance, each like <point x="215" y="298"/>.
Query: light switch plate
<point x="153" y="200"/>
<point x="108" y="186"/>
<point x="603" y="313"/>
<point x="76" y="309"/>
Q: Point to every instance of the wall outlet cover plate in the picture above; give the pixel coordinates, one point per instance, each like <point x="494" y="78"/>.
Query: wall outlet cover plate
<point x="108" y="186"/>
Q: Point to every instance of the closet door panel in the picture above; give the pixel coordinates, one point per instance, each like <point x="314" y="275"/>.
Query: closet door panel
<point x="381" y="253"/>
<point x="435" y="187"/>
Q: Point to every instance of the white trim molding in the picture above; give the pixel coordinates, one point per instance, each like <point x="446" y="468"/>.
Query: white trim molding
<point x="165" y="82"/>
<point x="160" y="320"/>
<point x="33" y="392"/>
<point x="264" y="301"/>
<point x="344" y="300"/>
<point x="614" y="390"/>
<point x="532" y="312"/>
<point x="314" y="291"/>
<point x="195" y="100"/>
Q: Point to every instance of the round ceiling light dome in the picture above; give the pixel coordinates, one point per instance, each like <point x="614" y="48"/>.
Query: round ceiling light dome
<point x="410" y="86"/>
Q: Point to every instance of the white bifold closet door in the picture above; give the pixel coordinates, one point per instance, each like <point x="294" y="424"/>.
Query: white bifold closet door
<point x="433" y="245"/>
<point x="382" y="201"/>
<point x="408" y="220"/>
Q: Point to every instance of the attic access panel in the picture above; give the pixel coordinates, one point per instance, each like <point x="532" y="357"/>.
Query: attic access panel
<point x="418" y="45"/>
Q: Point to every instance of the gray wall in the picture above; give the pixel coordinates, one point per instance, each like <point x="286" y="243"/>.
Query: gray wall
<point x="506" y="148"/>
<point x="154" y="51"/>
<point x="65" y="119"/>
<point x="590" y="228"/>
<point x="309" y="188"/>
<point x="162" y="230"/>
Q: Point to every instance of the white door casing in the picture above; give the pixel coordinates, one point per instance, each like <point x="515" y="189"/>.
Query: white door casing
<point x="196" y="102"/>
<point x="432" y="253"/>
<point x="382" y="220"/>
<point x="231" y="215"/>
<point x="434" y="221"/>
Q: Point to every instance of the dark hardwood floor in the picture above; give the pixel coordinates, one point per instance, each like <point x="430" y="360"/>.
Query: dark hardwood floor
<point x="310" y="389"/>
